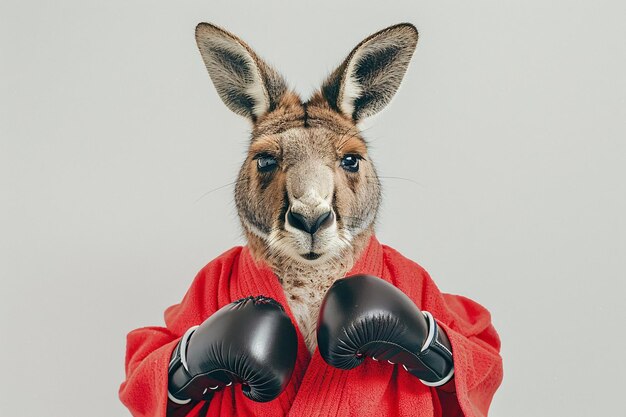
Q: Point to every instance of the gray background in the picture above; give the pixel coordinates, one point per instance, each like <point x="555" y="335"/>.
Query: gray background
<point x="510" y="125"/>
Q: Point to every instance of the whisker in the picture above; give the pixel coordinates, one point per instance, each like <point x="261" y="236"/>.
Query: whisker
<point x="343" y="139"/>
<point x="216" y="189"/>
<point x="398" y="178"/>
<point x="347" y="131"/>
<point x="352" y="217"/>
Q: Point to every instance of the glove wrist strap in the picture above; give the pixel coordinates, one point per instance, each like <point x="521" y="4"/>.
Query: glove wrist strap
<point x="435" y="356"/>
<point x="178" y="370"/>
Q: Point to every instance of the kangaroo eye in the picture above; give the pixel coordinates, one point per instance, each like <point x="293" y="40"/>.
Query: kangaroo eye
<point x="350" y="162"/>
<point x="266" y="163"/>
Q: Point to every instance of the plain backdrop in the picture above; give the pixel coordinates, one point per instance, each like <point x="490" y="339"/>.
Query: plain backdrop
<point x="503" y="157"/>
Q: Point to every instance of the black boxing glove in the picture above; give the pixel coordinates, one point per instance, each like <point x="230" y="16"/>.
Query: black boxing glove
<point x="250" y="341"/>
<point x="365" y="316"/>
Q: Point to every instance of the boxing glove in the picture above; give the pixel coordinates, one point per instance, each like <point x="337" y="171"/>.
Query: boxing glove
<point x="364" y="316"/>
<point x="251" y="342"/>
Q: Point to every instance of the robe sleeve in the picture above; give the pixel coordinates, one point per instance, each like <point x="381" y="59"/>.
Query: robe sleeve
<point x="149" y="349"/>
<point x="477" y="363"/>
<point x="475" y="343"/>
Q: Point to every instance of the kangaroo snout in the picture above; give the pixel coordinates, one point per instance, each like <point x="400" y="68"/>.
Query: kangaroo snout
<point x="310" y="224"/>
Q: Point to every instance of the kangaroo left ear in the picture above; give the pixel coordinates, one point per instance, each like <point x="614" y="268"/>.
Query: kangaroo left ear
<point x="246" y="84"/>
<point x="370" y="76"/>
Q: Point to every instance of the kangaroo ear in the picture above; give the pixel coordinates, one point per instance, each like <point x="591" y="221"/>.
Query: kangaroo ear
<point x="370" y="76"/>
<point x="246" y="84"/>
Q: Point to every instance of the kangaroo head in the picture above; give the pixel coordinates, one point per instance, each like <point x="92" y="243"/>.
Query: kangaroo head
<point x="308" y="190"/>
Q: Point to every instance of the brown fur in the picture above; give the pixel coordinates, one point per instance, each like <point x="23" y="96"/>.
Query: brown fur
<point x="308" y="140"/>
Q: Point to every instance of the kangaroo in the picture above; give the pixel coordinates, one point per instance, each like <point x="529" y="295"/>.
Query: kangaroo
<point x="307" y="193"/>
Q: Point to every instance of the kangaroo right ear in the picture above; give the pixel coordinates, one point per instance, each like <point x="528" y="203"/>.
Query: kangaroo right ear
<point x="370" y="76"/>
<point x="246" y="84"/>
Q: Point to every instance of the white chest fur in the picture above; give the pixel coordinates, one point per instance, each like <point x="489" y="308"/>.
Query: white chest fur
<point x="305" y="287"/>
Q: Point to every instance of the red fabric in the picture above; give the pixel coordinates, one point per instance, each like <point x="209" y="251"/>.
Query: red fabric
<point x="315" y="388"/>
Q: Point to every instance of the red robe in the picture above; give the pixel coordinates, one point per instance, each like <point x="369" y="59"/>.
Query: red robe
<point x="316" y="389"/>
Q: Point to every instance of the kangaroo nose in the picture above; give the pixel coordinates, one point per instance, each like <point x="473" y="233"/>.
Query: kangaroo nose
<point x="310" y="225"/>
